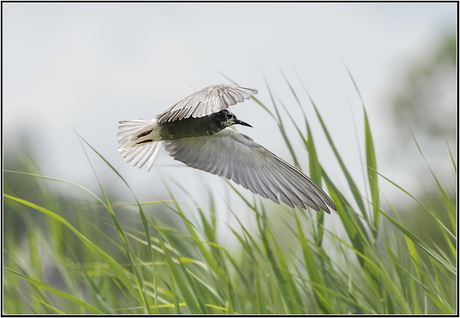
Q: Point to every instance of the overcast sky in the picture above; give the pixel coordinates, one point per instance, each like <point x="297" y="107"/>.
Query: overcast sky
<point x="89" y="65"/>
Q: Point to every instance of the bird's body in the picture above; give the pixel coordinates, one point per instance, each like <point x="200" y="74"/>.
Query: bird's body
<point x="190" y="127"/>
<point x="195" y="132"/>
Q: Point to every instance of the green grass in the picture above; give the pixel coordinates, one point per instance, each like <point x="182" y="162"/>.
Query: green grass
<point x="372" y="264"/>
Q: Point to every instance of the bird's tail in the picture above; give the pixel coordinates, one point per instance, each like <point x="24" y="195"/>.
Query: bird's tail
<point x="136" y="144"/>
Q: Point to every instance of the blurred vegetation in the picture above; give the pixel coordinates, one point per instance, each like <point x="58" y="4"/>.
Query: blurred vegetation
<point x="426" y="101"/>
<point x="90" y="254"/>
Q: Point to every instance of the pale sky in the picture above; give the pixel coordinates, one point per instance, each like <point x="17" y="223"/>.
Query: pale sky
<point x="87" y="66"/>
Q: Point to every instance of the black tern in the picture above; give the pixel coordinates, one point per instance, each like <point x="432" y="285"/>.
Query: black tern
<point x="195" y="131"/>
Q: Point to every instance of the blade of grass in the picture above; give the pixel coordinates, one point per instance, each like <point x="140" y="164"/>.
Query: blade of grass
<point x="58" y="180"/>
<point x="452" y="157"/>
<point x="372" y="175"/>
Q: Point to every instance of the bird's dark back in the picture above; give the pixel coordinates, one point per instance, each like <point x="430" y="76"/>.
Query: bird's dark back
<point x="190" y="127"/>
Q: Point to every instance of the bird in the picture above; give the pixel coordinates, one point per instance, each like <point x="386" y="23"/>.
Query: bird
<point x="196" y="132"/>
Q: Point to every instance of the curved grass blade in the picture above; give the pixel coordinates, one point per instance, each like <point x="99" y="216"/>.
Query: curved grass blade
<point x="372" y="176"/>
<point x="315" y="174"/>
<point x="58" y="180"/>
<point x="452" y="158"/>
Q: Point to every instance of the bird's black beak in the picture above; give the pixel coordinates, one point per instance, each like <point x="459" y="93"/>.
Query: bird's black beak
<point x="240" y="122"/>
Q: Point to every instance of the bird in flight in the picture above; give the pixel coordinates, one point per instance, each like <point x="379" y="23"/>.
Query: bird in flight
<point x="195" y="131"/>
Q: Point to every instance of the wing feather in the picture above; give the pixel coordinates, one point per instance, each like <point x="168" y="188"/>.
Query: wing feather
<point x="268" y="185"/>
<point x="209" y="100"/>
<point x="238" y="158"/>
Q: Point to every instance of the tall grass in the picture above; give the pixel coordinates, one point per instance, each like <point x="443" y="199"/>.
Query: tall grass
<point x="102" y="264"/>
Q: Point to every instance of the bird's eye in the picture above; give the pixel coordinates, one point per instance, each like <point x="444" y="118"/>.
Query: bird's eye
<point x="228" y="116"/>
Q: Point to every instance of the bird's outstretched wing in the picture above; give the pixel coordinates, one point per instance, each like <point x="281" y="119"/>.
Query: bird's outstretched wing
<point x="209" y="100"/>
<point x="237" y="157"/>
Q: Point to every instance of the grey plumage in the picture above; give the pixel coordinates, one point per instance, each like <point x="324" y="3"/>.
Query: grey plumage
<point x="209" y="100"/>
<point x="237" y="157"/>
<point x="195" y="132"/>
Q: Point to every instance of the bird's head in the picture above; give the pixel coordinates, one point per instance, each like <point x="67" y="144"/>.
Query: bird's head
<point x="227" y="118"/>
